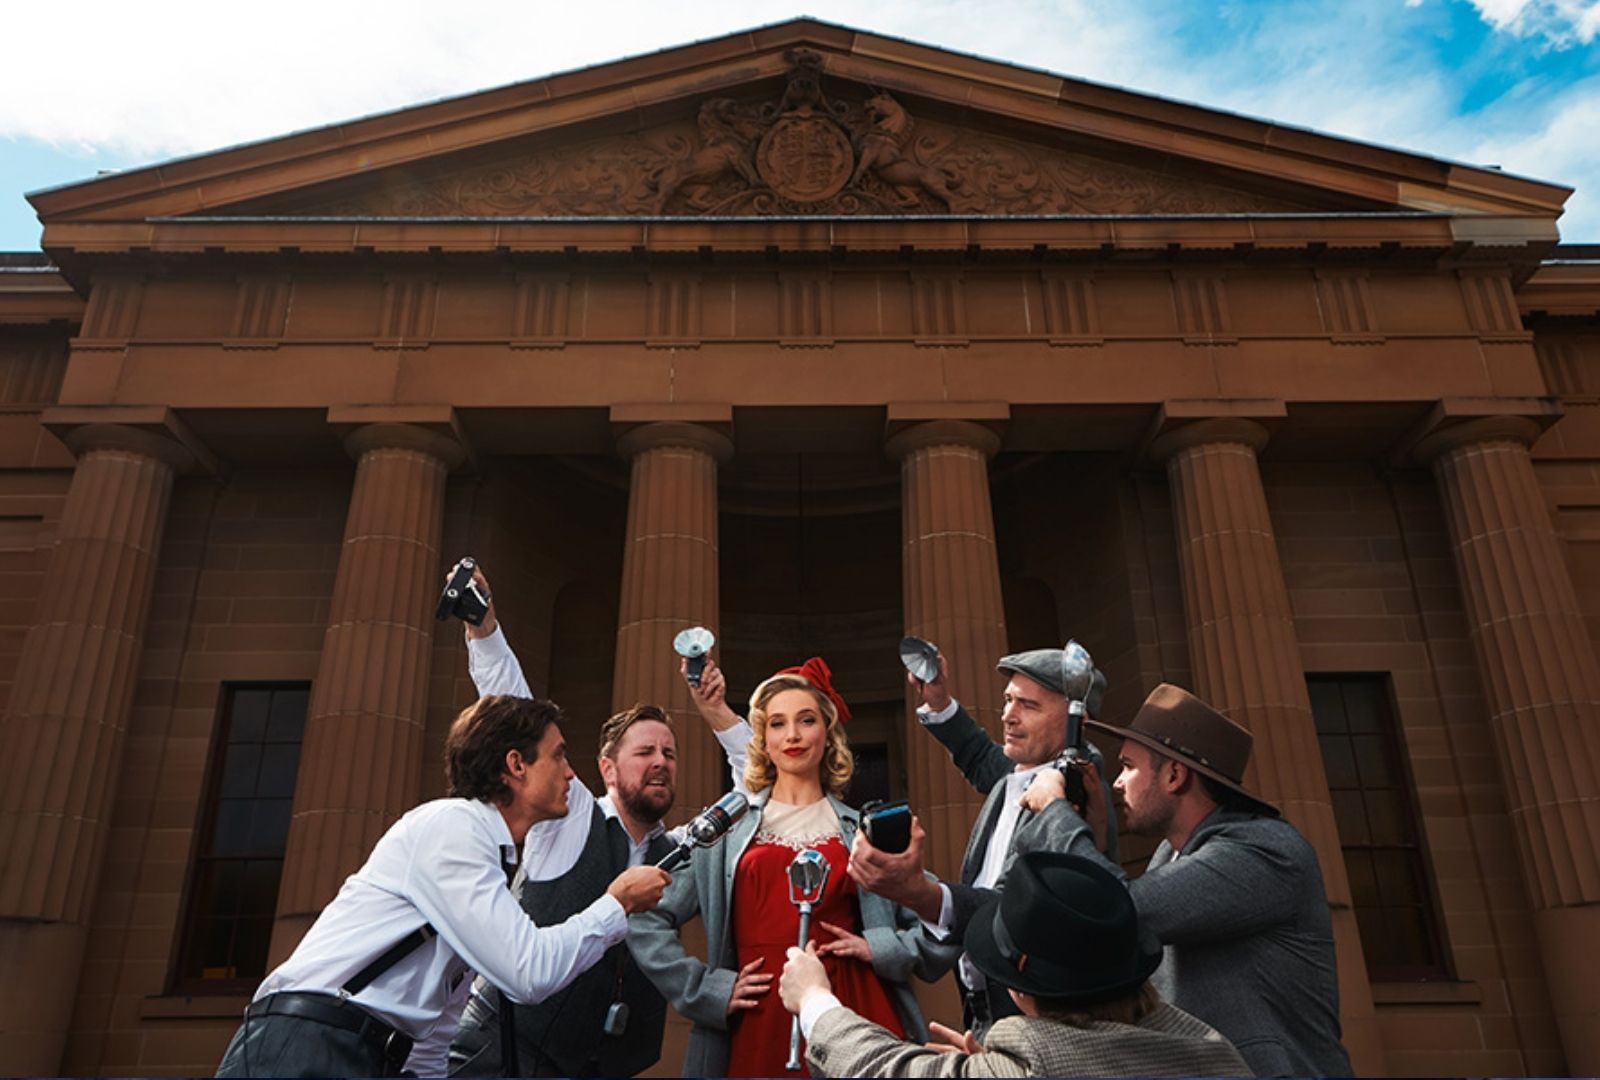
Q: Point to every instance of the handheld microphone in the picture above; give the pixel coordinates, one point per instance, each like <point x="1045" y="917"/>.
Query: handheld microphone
<point x="708" y="826"/>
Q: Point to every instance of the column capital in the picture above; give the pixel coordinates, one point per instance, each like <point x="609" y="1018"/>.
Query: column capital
<point x="1182" y="423"/>
<point x="1461" y="421"/>
<point x="920" y="436"/>
<point x="1220" y="429"/>
<point x="429" y="429"/>
<point x="653" y="436"/>
<point x="153" y="431"/>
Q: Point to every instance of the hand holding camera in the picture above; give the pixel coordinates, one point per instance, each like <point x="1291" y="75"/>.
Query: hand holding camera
<point x="466" y="596"/>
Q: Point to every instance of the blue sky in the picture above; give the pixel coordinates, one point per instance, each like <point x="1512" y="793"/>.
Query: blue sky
<point x="1512" y="83"/>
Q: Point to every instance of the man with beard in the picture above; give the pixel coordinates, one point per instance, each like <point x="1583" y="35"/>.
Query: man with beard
<point x="1233" y="892"/>
<point x="609" y="1022"/>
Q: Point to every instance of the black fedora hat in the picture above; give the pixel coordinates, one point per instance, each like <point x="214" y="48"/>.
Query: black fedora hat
<point x="1063" y="928"/>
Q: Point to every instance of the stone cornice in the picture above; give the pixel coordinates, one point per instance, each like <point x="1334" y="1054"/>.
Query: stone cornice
<point x="1509" y="239"/>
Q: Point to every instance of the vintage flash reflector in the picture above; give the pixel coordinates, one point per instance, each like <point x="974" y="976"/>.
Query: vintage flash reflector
<point x="921" y="658"/>
<point x="693" y="644"/>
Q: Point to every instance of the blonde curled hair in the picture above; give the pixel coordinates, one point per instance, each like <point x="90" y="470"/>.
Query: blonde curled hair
<point x="837" y="762"/>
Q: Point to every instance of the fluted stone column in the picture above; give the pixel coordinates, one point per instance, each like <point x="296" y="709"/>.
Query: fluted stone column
<point x="670" y="582"/>
<point x="951" y="575"/>
<point x="62" y="737"/>
<point x="360" y="767"/>
<point x="1543" y="688"/>
<point x="1246" y="663"/>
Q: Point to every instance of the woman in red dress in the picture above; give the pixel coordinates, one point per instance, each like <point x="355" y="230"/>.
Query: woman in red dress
<point x="799" y="764"/>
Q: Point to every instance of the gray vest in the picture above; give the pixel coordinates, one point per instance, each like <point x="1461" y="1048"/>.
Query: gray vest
<point x="561" y="1035"/>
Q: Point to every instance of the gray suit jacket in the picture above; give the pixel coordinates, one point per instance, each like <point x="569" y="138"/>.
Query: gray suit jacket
<point x="985" y="766"/>
<point x="1249" y="944"/>
<point x="1168" y="1042"/>
<point x="700" y="990"/>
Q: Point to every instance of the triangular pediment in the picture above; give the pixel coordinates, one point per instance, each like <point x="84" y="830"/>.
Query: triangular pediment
<point x="803" y="118"/>
<point x="808" y="151"/>
<point x="735" y="160"/>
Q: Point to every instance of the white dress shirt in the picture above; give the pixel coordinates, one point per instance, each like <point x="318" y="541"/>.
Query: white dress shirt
<point x="994" y="856"/>
<point x="442" y="864"/>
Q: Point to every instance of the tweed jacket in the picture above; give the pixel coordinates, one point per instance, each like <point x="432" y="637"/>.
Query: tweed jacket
<point x="985" y="766"/>
<point x="1243" y="916"/>
<point x="1168" y="1042"/>
<point x="700" y="990"/>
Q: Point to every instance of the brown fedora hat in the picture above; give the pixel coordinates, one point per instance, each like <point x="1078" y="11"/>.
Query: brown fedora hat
<point x="1175" y="723"/>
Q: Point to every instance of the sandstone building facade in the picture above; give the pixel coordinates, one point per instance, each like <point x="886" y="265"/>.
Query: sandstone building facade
<point x="817" y="338"/>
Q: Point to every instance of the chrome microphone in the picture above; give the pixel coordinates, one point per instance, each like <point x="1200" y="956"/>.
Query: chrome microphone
<point x="708" y="826"/>
<point x="808" y="877"/>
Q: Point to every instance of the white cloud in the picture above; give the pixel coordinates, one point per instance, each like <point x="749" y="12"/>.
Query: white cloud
<point x="1562" y="22"/>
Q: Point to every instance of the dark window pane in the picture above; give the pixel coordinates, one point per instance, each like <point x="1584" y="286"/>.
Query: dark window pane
<point x="269" y="826"/>
<point x="1374" y="933"/>
<point x="233" y="889"/>
<point x="232" y="833"/>
<point x="1363" y="880"/>
<point x="1399" y="878"/>
<point x="1370" y="786"/>
<point x="259" y="895"/>
<point x="1327" y="705"/>
<point x="1408" y="937"/>
<point x="251" y="938"/>
<point x="1340" y="761"/>
<point x="1373" y="761"/>
<point x="241" y="765"/>
<point x="1350" y="817"/>
<point x="1388" y="817"/>
<point x="248" y="719"/>
<point x="288" y="721"/>
<point x="1365" y="706"/>
<point x="279" y="763"/>
<point x="216" y="946"/>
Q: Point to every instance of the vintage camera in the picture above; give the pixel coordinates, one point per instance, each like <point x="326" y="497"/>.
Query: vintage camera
<point x="462" y="597"/>
<point x="887" y="825"/>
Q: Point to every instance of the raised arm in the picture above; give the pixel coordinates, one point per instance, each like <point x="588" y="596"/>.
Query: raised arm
<point x="979" y="758"/>
<point x="710" y="700"/>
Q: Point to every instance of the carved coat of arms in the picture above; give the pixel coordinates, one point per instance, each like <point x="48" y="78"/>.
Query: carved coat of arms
<point x="805" y="153"/>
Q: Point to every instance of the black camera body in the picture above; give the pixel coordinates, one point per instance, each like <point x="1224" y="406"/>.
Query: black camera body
<point x="462" y="597"/>
<point x="887" y="825"/>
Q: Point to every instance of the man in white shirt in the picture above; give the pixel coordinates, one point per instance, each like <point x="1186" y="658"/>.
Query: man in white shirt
<point x="383" y="962"/>
<point x="609" y="1021"/>
<point x="1034" y="724"/>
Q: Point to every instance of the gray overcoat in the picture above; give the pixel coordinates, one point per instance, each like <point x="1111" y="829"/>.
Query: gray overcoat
<point x="1243" y="916"/>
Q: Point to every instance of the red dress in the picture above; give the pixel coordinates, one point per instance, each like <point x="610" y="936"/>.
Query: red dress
<point x="766" y="924"/>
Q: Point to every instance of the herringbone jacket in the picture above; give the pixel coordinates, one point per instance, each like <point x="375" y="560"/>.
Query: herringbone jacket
<point x="1168" y="1042"/>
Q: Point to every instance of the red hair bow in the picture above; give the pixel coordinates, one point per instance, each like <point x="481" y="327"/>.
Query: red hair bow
<point x="816" y="672"/>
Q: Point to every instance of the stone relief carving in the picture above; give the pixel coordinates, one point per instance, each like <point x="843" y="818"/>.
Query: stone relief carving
<point x="803" y="154"/>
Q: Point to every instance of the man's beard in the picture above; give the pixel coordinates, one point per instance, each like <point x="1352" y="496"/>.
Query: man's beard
<point x="647" y="802"/>
<point x="1152" y="820"/>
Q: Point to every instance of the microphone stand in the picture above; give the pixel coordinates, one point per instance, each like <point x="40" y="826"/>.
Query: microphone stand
<point x="808" y="875"/>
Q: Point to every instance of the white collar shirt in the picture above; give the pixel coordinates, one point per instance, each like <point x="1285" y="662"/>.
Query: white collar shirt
<point x="442" y="864"/>
<point x="994" y="856"/>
